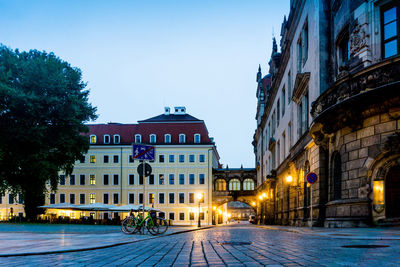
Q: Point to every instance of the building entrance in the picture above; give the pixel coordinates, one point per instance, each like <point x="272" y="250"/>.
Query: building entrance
<point x="392" y="192"/>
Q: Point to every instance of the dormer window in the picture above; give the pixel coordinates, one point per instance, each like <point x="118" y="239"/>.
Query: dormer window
<point x="117" y="139"/>
<point x="153" y="138"/>
<point x="106" y="139"/>
<point x="197" y="138"/>
<point x="93" y="139"/>
<point x="138" y="138"/>
<point x="182" y="138"/>
<point x="167" y="138"/>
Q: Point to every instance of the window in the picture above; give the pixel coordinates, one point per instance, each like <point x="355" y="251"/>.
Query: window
<point x="273" y="122"/>
<point x="191" y="178"/>
<point x="82" y="179"/>
<point x="151" y="198"/>
<point x="138" y="138"/>
<point x="151" y="179"/>
<point x="390" y="26"/>
<point x="172" y="216"/>
<point x="131" y="159"/>
<point x="116" y="179"/>
<point x="197" y="138"/>
<point x="302" y="115"/>
<point x="302" y="47"/>
<point x="161" y="179"/>
<point x="116" y="198"/>
<point x="140" y="179"/>
<point x="93" y="139"/>
<point x="116" y="158"/>
<point x="181" y="198"/>
<point x="337" y="176"/>
<point x="52" y="199"/>
<point x="220" y="185"/>
<point x="92" y="198"/>
<point x="161" y="198"/>
<point x="202" y="158"/>
<point x="181" y="216"/>
<point x="182" y="138"/>
<point x="191" y="216"/>
<point x="161" y="158"/>
<point x="171" y="158"/>
<point x="278" y="108"/>
<point x="343" y="50"/>
<point x="105" y="198"/>
<point x="171" y="179"/>
<point x="72" y="198"/>
<point x="92" y="179"/>
<point x="105" y="179"/>
<point x="167" y="138"/>
<point x="131" y="198"/>
<point x="191" y="198"/>
<point x="202" y="215"/>
<point x="171" y="198"/>
<point x="234" y="185"/>
<point x="107" y="139"/>
<point x="181" y="178"/>
<point x="202" y="198"/>
<point x="105" y="159"/>
<point x="248" y="184"/>
<point x="153" y="138"/>
<point x="117" y="139"/>
<point x="290" y="134"/>
<point x="191" y="158"/>
<point x="140" y="198"/>
<point x="181" y="158"/>
<point x="278" y="152"/>
<point x="131" y="179"/>
<point x="92" y="159"/>
<point x="202" y="178"/>
<point x="62" y="198"/>
<point x="81" y="199"/>
<point x="82" y="159"/>
<point x="289" y="82"/>
<point x="283" y="101"/>
<point x="62" y="179"/>
<point x="72" y="179"/>
<point x="283" y="145"/>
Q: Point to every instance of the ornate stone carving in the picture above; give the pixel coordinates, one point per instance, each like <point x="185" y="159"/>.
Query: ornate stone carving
<point x="358" y="38"/>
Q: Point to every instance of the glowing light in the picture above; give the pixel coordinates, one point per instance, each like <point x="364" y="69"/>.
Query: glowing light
<point x="230" y="215"/>
<point x="214" y="208"/>
<point x="199" y="196"/>
<point x="264" y="195"/>
<point x="378" y="196"/>
<point x="253" y="203"/>
<point x="289" y="179"/>
<point x="219" y="212"/>
<point x="260" y="197"/>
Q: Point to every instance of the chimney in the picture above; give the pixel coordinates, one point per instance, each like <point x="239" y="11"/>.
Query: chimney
<point x="166" y="111"/>
<point x="180" y="111"/>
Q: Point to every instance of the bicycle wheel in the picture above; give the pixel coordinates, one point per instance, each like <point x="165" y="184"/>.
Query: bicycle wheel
<point x="129" y="226"/>
<point x="152" y="227"/>
<point x="162" y="225"/>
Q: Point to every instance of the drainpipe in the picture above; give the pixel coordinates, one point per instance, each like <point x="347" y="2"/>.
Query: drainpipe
<point x="121" y="159"/>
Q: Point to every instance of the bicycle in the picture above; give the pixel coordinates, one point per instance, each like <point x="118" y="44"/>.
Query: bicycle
<point x="154" y="225"/>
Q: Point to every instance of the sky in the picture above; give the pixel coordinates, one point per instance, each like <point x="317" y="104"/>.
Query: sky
<point x="138" y="57"/>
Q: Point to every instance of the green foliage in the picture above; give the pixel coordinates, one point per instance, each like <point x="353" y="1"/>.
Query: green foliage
<point x="43" y="108"/>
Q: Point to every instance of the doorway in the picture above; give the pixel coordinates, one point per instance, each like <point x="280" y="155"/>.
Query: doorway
<point x="392" y="192"/>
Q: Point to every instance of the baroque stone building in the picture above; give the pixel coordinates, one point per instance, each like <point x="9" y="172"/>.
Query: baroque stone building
<point x="339" y="120"/>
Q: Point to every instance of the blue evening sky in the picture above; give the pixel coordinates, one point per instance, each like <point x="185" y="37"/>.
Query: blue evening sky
<point x="139" y="56"/>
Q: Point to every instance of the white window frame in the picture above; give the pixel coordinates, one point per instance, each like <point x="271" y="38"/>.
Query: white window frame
<point x="109" y="139"/>
<point x="140" y="138"/>
<point x="199" y="136"/>
<point x="119" y="138"/>
<point x="90" y="200"/>
<point x="106" y="193"/>
<point x="95" y="139"/>
<point x="184" y="138"/>
<point x="131" y="193"/>
<point x="119" y="200"/>
<point x="165" y="138"/>
<point x="155" y="138"/>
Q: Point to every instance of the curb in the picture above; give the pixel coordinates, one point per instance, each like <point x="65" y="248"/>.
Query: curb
<point x="100" y="247"/>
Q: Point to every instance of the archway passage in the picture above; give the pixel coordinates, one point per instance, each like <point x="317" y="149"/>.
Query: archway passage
<point x="392" y="193"/>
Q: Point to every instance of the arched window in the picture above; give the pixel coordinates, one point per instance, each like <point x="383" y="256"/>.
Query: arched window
<point x="117" y="139"/>
<point x="93" y="139"/>
<point x="167" y="138"/>
<point x="220" y="185"/>
<point x="197" y="138"/>
<point x="182" y="138"/>
<point x="248" y="184"/>
<point x="107" y="139"/>
<point x="234" y="185"/>
<point x="138" y="138"/>
<point x="153" y="138"/>
<point x="337" y="176"/>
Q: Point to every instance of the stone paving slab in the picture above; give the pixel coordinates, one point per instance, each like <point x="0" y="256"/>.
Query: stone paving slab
<point x="378" y="233"/>
<point x="23" y="239"/>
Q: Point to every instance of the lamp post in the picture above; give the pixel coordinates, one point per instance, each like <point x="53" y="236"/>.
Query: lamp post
<point x="199" y="197"/>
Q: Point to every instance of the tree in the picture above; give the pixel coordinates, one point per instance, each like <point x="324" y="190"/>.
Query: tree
<point x="43" y="108"/>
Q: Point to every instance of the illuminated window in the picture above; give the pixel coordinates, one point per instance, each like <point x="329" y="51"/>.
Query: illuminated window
<point x="220" y="185"/>
<point x="107" y="139"/>
<point x="92" y="159"/>
<point x="93" y="139"/>
<point x="197" y="138"/>
<point x="151" y="198"/>
<point x="92" y="199"/>
<point x="153" y="138"/>
<point x="138" y="138"/>
<point x="92" y="179"/>
<point x="248" y="184"/>
<point x="182" y="138"/>
<point x="234" y="185"/>
<point x="191" y="216"/>
<point x="117" y="139"/>
<point x="167" y="138"/>
<point x="201" y="215"/>
<point x="191" y="198"/>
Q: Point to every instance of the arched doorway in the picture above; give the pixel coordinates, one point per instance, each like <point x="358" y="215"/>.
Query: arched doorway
<point x="392" y="192"/>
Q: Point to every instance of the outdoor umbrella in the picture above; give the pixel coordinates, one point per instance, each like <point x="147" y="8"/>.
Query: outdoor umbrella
<point x="96" y="207"/>
<point x="60" y="206"/>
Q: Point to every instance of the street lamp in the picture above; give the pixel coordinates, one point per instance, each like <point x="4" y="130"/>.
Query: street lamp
<point x="199" y="197"/>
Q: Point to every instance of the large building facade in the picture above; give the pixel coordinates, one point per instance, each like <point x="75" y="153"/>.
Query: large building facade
<point x="330" y="105"/>
<point x="185" y="157"/>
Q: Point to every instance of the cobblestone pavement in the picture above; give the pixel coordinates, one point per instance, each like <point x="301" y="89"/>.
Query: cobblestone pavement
<point x="234" y="245"/>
